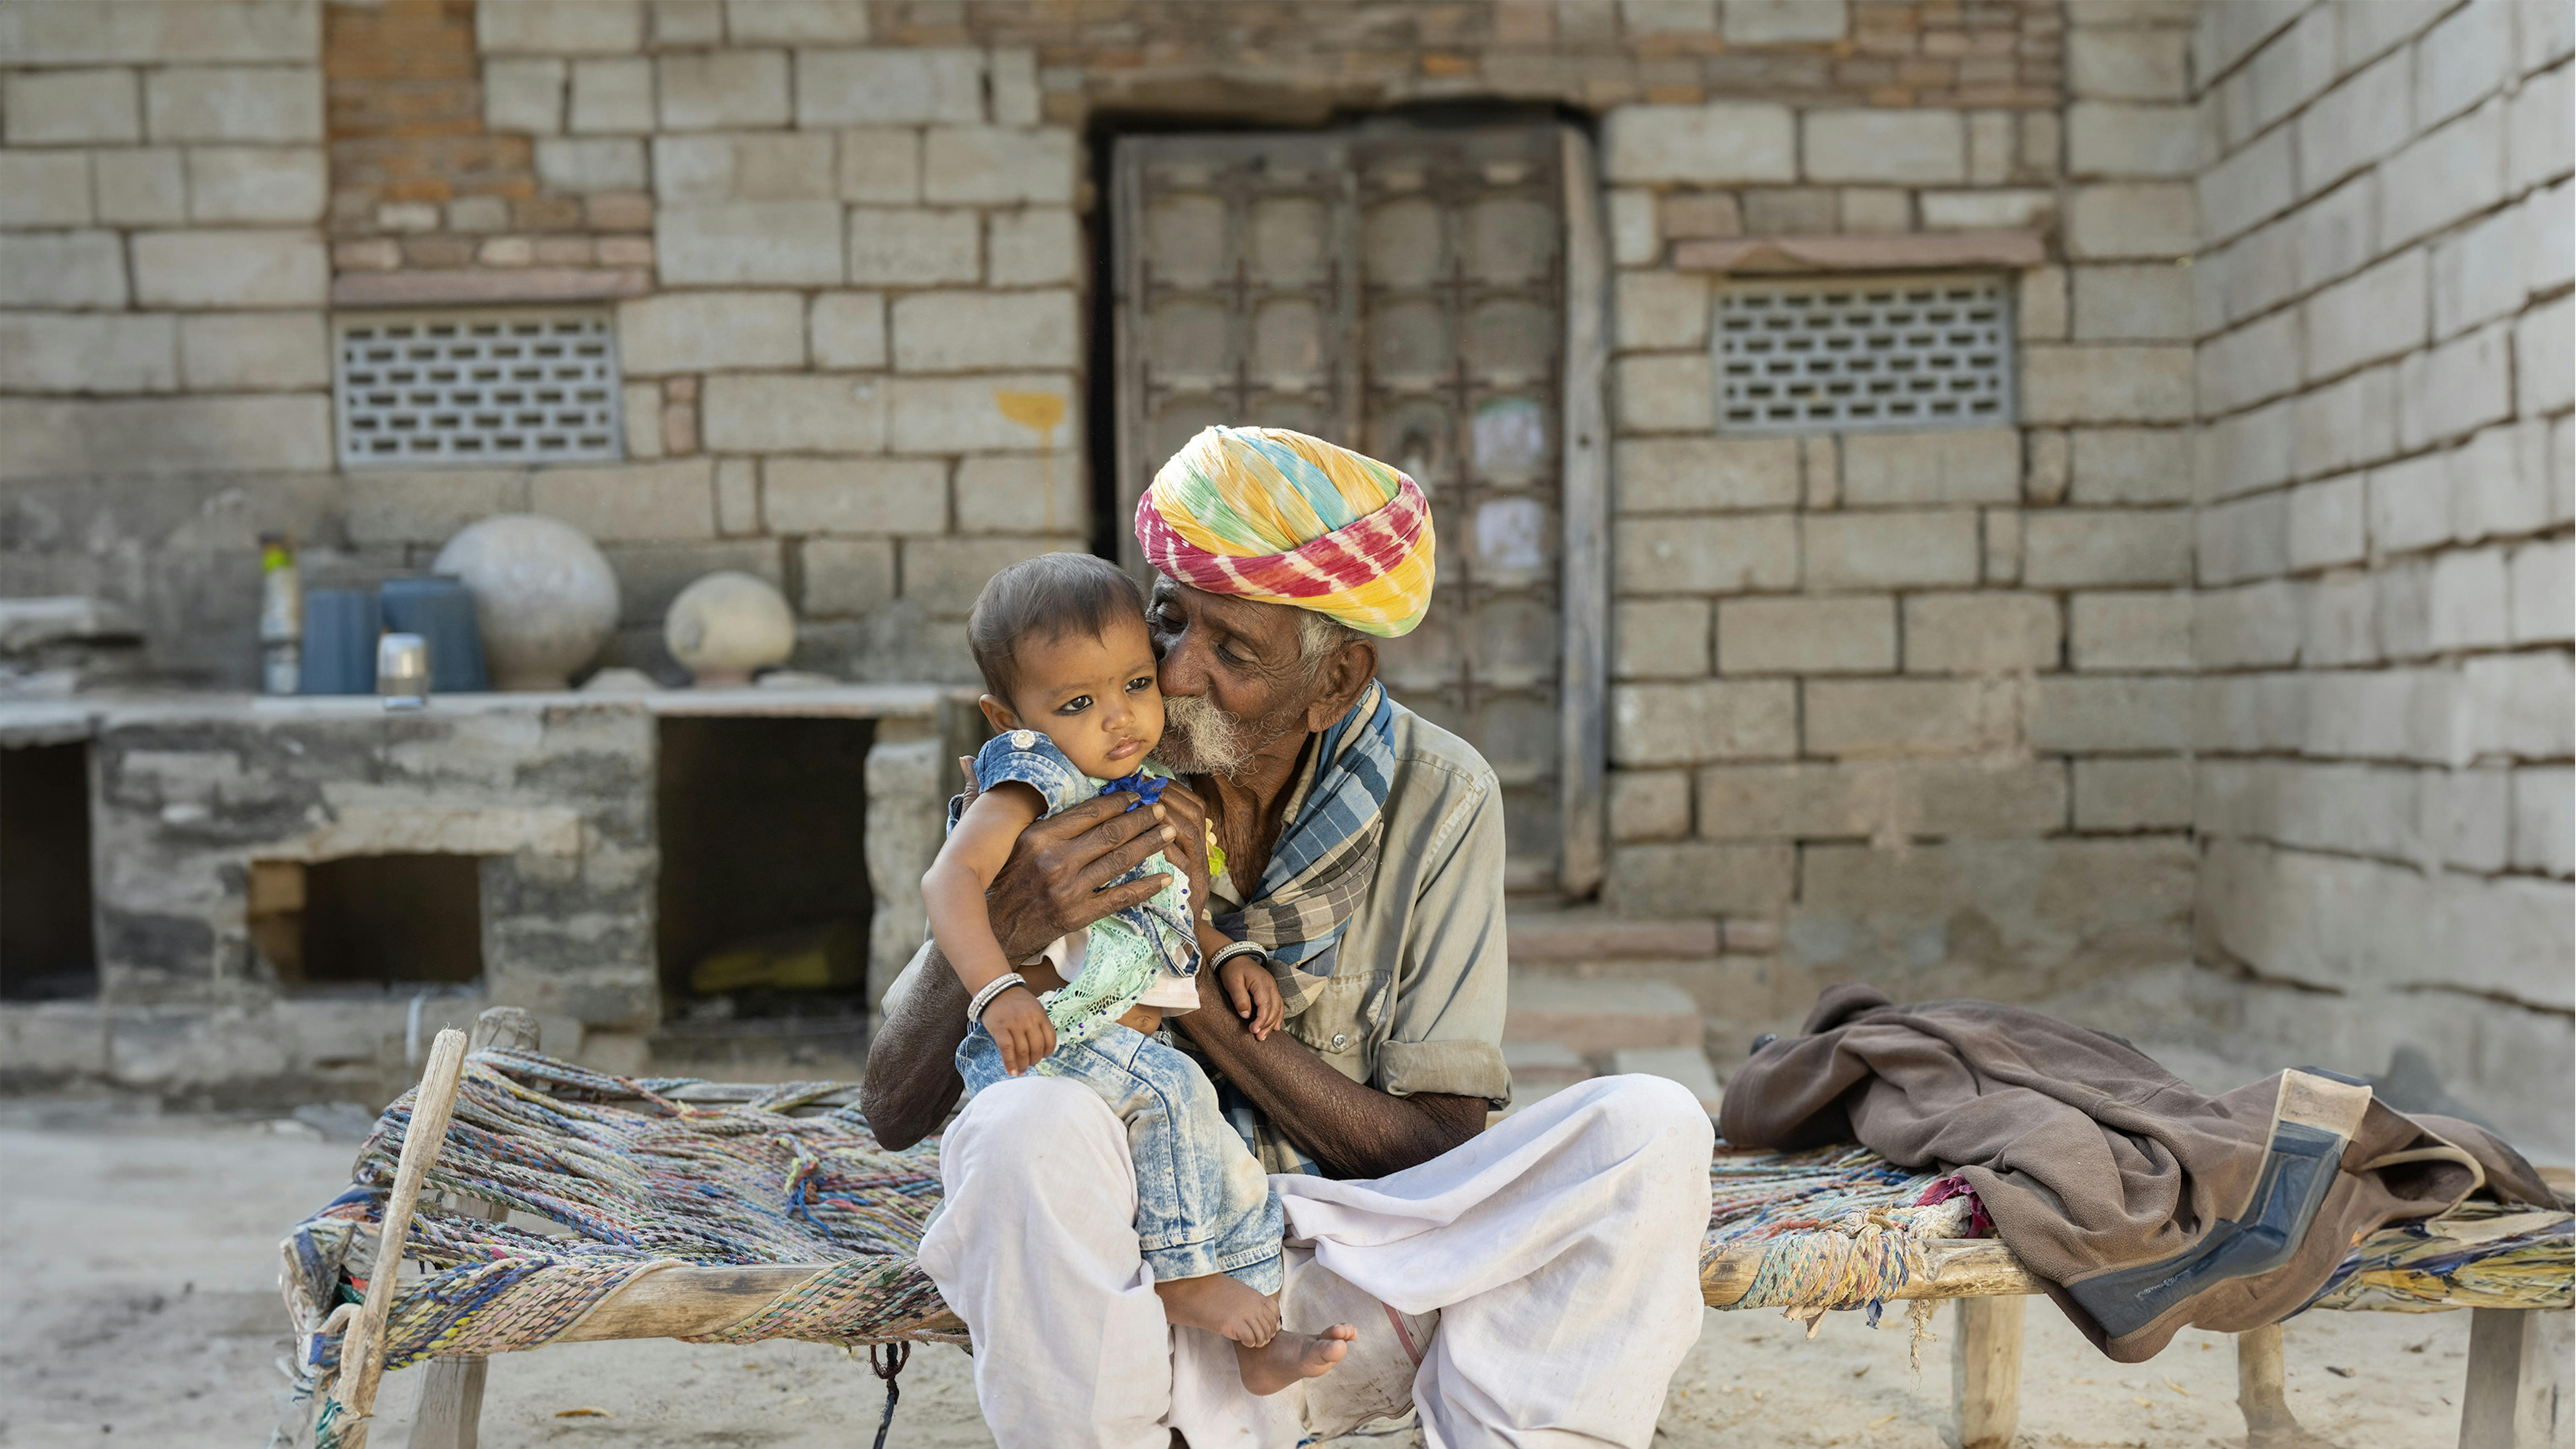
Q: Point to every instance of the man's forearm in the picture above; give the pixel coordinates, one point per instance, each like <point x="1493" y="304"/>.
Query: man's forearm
<point x="911" y="1079"/>
<point x="1350" y="1129"/>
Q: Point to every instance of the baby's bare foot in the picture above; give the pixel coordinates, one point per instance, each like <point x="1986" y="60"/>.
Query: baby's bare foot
<point x="1219" y="1304"/>
<point x="1291" y="1357"/>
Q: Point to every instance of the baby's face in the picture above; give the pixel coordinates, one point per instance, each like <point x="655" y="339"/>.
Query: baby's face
<point x="1095" y="697"/>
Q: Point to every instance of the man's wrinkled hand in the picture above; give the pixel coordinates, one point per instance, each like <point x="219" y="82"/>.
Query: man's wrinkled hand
<point x="1052" y="883"/>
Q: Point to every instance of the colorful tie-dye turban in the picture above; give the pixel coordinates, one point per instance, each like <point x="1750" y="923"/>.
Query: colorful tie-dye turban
<point x="1264" y="513"/>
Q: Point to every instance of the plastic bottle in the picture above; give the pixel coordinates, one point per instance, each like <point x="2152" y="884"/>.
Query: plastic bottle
<point x="281" y="615"/>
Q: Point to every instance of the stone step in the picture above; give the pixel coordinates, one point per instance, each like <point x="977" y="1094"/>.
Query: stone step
<point x="1686" y="1065"/>
<point x="1559" y="938"/>
<point x="1592" y="1017"/>
<point x="1547" y="1065"/>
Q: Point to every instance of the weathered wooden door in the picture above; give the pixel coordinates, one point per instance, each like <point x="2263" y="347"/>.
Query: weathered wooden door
<point x="1401" y="290"/>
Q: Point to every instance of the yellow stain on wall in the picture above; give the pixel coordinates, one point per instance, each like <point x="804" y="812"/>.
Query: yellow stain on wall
<point x="1040" y="412"/>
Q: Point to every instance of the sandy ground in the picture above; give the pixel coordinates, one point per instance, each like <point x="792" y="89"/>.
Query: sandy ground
<point x="138" y="1304"/>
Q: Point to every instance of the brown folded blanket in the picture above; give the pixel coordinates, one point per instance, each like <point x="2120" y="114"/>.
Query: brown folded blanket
<point x="2145" y="1203"/>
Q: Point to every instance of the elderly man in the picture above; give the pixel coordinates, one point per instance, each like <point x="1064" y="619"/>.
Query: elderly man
<point x="1535" y="1283"/>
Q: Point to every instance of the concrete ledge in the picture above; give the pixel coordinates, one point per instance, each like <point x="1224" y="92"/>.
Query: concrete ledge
<point x="1559" y="937"/>
<point x="480" y="284"/>
<point x="1921" y="251"/>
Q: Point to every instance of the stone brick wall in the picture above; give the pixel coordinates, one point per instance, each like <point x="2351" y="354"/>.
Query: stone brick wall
<point x="2383" y="542"/>
<point x="162" y="185"/>
<point x="1915" y="705"/>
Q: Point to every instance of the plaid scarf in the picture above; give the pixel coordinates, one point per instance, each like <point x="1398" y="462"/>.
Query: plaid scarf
<point x="1328" y="853"/>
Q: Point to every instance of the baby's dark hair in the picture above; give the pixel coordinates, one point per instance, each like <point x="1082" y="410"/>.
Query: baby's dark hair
<point x="1043" y="599"/>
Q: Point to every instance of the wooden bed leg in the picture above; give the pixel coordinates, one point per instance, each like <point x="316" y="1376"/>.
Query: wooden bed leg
<point x="2261" y="1393"/>
<point x="1985" y="1371"/>
<point x="2491" y="1399"/>
<point x="451" y="1390"/>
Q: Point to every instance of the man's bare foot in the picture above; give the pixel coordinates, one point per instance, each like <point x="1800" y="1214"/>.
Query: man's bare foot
<point x="1292" y="1356"/>
<point x="1219" y="1304"/>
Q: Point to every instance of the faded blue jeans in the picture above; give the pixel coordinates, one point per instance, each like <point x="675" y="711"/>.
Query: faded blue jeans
<point x="1203" y="1204"/>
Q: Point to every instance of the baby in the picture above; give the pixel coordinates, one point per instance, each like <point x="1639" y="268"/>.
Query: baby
<point x="1071" y="673"/>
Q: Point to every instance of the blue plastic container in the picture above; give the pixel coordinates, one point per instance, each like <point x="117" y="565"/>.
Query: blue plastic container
<point x="440" y="610"/>
<point x="340" y="629"/>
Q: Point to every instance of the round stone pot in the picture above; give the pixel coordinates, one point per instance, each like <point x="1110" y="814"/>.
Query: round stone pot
<point x="544" y="599"/>
<point x="728" y="624"/>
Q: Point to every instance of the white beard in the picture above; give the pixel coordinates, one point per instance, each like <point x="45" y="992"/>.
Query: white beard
<point x="1201" y="739"/>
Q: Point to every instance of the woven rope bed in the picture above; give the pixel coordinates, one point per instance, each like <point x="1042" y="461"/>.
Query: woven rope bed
<point x="730" y="1214"/>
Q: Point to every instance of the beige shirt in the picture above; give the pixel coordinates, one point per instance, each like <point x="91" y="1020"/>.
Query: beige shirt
<point x="1419" y="987"/>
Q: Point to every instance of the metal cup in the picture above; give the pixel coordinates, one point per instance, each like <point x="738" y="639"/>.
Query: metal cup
<point x="402" y="671"/>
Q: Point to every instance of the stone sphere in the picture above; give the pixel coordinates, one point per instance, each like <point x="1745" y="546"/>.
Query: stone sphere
<point x="728" y="624"/>
<point x="543" y="596"/>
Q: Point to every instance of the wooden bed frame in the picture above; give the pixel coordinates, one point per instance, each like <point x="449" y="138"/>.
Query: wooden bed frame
<point x="1990" y="1285"/>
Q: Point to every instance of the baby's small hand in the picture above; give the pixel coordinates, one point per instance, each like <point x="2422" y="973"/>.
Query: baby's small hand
<point x="1020" y="1027"/>
<point x="1254" y="995"/>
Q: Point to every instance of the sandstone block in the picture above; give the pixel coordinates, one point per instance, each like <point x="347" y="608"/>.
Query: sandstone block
<point x="1695" y="878"/>
<point x="1015" y="100"/>
<point x="2326" y="524"/>
<point x="524" y="95"/>
<point x="2543" y="581"/>
<point x="2128" y="65"/>
<point x="2251" y="186"/>
<point x="1706" y="555"/>
<point x="1912" y="147"/>
<point x="146" y="186"/>
<point x="2252" y="450"/>
<point x="651" y="575"/>
<point x="234" y="103"/>
<point x="847" y="575"/>
<point x="1884" y="801"/>
<point x="256" y="184"/>
<point x="2462" y="61"/>
<point x="2342" y="624"/>
<point x="2003" y="546"/>
<point x="2452" y="173"/>
<point x="1043" y="495"/>
<point x="1981" y="633"/>
<point x="737" y="496"/>
<point x="612" y="97"/>
<point x="848" y="329"/>
<point x="1784" y="22"/>
<point x="2478" y="273"/>
<point x="2409" y="504"/>
<point x="2247" y="539"/>
<point x="70" y="107"/>
<point x="998" y="165"/>
<point x="963" y="331"/>
<point x="2129" y="465"/>
<point x="2085" y="714"/>
<point x="855" y="495"/>
<point x="1988" y="209"/>
<point x="1634" y="240"/>
<point x="717" y="90"/>
<point x="895" y="86"/>
<point x="2079" y="547"/>
<point x="2252" y="626"/>
<point x="2378" y="314"/>
<point x="62" y="269"/>
<point x="1660" y="639"/>
<point x="1014" y="412"/>
<point x="1035" y="247"/>
<point x="1880" y="210"/>
<point x="1667" y="393"/>
<point x="2049" y="468"/>
<point x="640" y="411"/>
<point x="2347" y="423"/>
<point x="2136" y="631"/>
<point x="1894" y="550"/>
<point x="943" y="575"/>
<point x="91" y="352"/>
<point x="2149" y="794"/>
<point x="2256" y="361"/>
<point x="1944" y="465"/>
<point x="912" y="248"/>
<point x="1678" y="475"/>
<point x="2520" y="705"/>
<point x="230" y="269"/>
<point x="165" y="437"/>
<point x="390" y="506"/>
<point x="797" y="22"/>
<point x="1682" y="724"/>
<point x="2537" y="148"/>
<point x="2132" y="304"/>
<point x="1649" y="805"/>
<point x="1843" y="635"/>
<point x="195" y="31"/>
<point x="1880" y="718"/>
<point x="254" y="351"/>
<point x="2455" y="388"/>
<point x="2149" y="220"/>
<point x="740" y="242"/>
<point x="776" y="413"/>
<point x="2544" y="820"/>
<point x="2544" y="370"/>
<point x="592" y="164"/>
<point x="635" y="502"/>
<point x="559" y="27"/>
<point x="881" y="164"/>
<point x="710" y="331"/>
<point x="1662" y="310"/>
<point x="744" y="166"/>
<point x="2043" y="311"/>
<point x="2470" y="600"/>
<point x="2126" y="138"/>
<point x="44" y="188"/>
<point x="2365" y="118"/>
<point x="2106" y="384"/>
<point x="1727" y="142"/>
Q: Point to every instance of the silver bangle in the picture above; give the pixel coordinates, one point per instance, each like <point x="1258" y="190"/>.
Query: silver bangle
<point x="992" y="988"/>
<point x="1228" y="953"/>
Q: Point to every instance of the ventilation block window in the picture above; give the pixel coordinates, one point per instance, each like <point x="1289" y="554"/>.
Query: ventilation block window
<point x="1852" y="354"/>
<point x="476" y="387"/>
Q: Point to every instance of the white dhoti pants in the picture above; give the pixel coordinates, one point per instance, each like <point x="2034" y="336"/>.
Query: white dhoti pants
<point x="1560" y="1247"/>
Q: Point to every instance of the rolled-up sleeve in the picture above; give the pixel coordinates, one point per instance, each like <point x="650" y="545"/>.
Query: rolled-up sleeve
<point x="1453" y="977"/>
